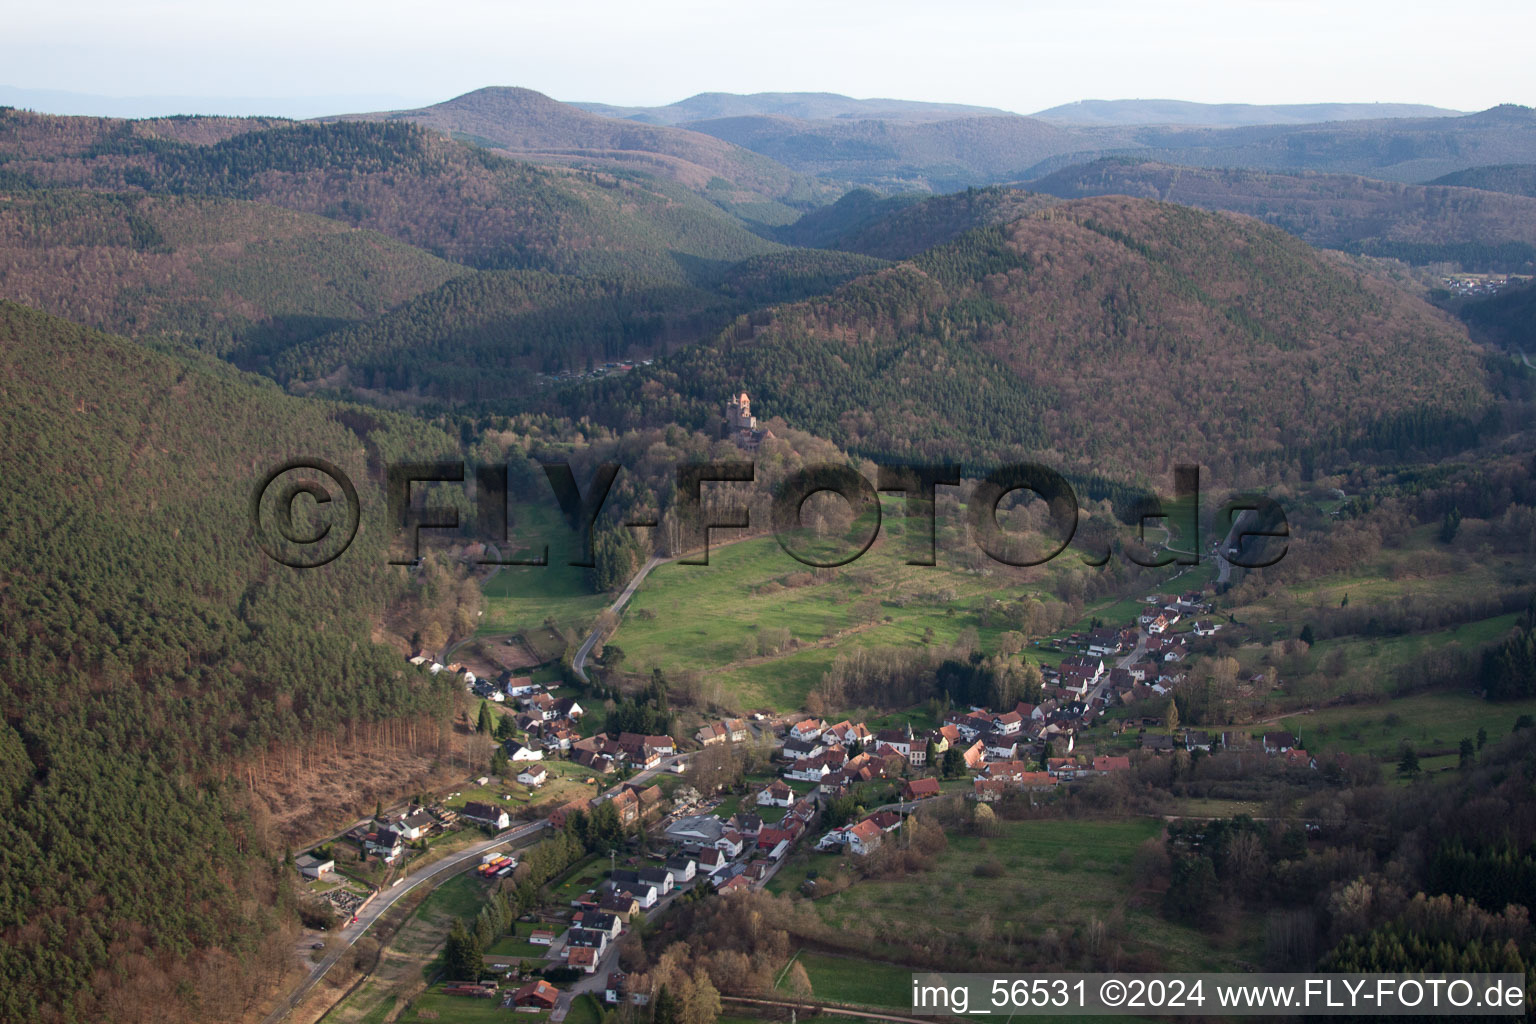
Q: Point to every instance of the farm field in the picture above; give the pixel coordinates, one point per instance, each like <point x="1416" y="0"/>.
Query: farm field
<point x="852" y="980"/>
<point x="519" y="598"/>
<point x="1061" y="874"/>
<point x="1427" y="721"/>
<point x="727" y="619"/>
<point x="433" y="1005"/>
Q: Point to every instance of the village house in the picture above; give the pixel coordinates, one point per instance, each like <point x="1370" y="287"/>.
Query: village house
<point x="1009" y="723"/>
<point x="738" y="883"/>
<point x="1197" y="739"/>
<point x="863" y="838"/>
<point x="384" y="844"/>
<point x="919" y="789"/>
<point x="795" y="750"/>
<point x="533" y="776"/>
<point x="594" y="919"/>
<point x="746" y="823"/>
<point x="814" y="769"/>
<point x="906" y="744"/>
<point x="311" y="866"/>
<point x="681" y="868"/>
<point x="522" y="752"/>
<point x="560" y="815"/>
<point x="541" y="706"/>
<point x="847" y="733"/>
<point x="521" y="686"/>
<point x="1297" y="758"/>
<point x="1106" y="763"/>
<point x="583" y="938"/>
<point x="807" y="729"/>
<point x="620" y="904"/>
<point x="643" y="893"/>
<point x="414" y="825"/>
<point x="776" y="794"/>
<point x="712" y="861"/>
<point x="730" y="843"/>
<point x="538" y="994"/>
<point x="1001" y="748"/>
<point x="486" y="814"/>
<point x="1278" y="742"/>
<point x="583" y="959"/>
<point x="627" y="805"/>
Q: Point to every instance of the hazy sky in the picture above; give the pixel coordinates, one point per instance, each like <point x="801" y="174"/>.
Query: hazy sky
<point x="1021" y="56"/>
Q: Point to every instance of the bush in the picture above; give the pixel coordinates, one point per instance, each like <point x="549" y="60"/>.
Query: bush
<point x="990" y="869"/>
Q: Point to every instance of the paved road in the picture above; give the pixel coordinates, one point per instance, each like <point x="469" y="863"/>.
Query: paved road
<point x="579" y="662"/>
<point x="339" y="942"/>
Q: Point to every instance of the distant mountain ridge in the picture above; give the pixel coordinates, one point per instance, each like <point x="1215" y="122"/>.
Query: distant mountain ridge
<point x="806" y="106"/>
<point x="526" y="124"/>
<point x="946" y="155"/>
<point x="1119" y="113"/>
<point x="1419" y="223"/>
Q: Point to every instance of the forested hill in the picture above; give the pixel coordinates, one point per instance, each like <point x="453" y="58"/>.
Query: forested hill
<point x="228" y="276"/>
<point x="1418" y="223"/>
<point x="897" y="227"/>
<point x="456" y="201"/>
<point x="528" y="124"/>
<point x="479" y="338"/>
<point x="1112" y="334"/>
<point x="1516" y="179"/>
<point x="146" y="645"/>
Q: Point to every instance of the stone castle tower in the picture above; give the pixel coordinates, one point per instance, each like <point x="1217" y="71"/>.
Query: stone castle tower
<point x="740" y="425"/>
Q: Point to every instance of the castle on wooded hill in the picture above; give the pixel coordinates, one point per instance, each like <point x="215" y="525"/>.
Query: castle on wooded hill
<point x="740" y="425"/>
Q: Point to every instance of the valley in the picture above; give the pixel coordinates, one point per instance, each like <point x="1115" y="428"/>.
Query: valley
<point x="1284" y="726"/>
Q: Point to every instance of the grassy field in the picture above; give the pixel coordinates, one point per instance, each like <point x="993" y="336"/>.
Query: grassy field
<point x="518" y="599"/>
<point x="1427" y="721"/>
<point x="718" y="619"/>
<point x="432" y="1005"/>
<point x="585" y="1010"/>
<point x="567" y="780"/>
<point x="1059" y="874"/>
<point x="851" y="980"/>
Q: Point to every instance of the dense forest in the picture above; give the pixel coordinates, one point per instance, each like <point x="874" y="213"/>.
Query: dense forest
<point x="1480" y="230"/>
<point x="456" y="201"/>
<point x="1111" y="335"/>
<point x="150" y="651"/>
<point x="479" y="338"/>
